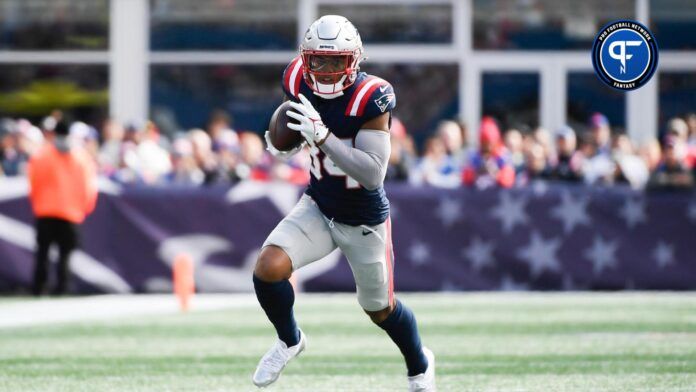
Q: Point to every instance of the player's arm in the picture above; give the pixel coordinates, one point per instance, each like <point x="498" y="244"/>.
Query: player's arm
<point x="367" y="161"/>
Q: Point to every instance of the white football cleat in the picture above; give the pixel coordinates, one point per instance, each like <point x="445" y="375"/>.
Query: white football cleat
<point x="424" y="382"/>
<point x="274" y="361"/>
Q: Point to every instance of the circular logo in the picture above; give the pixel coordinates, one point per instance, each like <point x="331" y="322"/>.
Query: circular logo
<point x="624" y="54"/>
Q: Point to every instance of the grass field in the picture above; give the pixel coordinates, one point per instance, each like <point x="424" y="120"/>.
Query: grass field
<point x="483" y="342"/>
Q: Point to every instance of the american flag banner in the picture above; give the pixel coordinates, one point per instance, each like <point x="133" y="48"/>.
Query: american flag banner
<point x="542" y="237"/>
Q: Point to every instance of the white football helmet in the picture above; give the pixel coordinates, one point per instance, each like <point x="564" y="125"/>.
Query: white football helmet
<point x="331" y="36"/>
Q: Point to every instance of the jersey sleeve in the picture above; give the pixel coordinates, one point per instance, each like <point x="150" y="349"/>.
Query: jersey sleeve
<point x="292" y="77"/>
<point x="373" y="97"/>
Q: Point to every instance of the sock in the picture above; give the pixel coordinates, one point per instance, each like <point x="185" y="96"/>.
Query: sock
<point x="277" y="299"/>
<point x="402" y="329"/>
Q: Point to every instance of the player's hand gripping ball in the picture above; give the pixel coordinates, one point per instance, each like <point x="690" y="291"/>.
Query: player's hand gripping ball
<point x="310" y="124"/>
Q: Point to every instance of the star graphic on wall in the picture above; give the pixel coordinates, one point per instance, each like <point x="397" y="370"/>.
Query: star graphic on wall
<point x="509" y="284"/>
<point x="633" y="212"/>
<point x="540" y="254"/>
<point x="479" y="253"/>
<point x="572" y="212"/>
<point x="449" y="211"/>
<point x="602" y="254"/>
<point x="419" y="253"/>
<point x="511" y="212"/>
<point x="539" y="187"/>
<point x="692" y="212"/>
<point x="663" y="254"/>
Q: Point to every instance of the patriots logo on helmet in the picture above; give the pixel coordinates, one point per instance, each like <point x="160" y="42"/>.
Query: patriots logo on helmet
<point x="384" y="101"/>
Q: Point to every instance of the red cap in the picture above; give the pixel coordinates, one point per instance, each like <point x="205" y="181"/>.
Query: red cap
<point x="489" y="131"/>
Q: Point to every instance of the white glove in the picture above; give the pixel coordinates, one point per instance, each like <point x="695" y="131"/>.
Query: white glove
<point x="312" y="128"/>
<point x="283" y="155"/>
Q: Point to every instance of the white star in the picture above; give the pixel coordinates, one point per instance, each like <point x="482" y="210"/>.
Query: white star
<point x="419" y="253"/>
<point x="510" y="211"/>
<point x="692" y="211"/>
<point x="663" y="254"/>
<point x="572" y="212"/>
<point x="479" y="253"/>
<point x="602" y="254"/>
<point x="540" y="254"/>
<point x="449" y="211"/>
<point x="633" y="212"/>
<point x="539" y="187"/>
<point x="509" y="284"/>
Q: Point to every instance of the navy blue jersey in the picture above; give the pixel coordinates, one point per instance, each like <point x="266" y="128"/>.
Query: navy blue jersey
<point x="339" y="196"/>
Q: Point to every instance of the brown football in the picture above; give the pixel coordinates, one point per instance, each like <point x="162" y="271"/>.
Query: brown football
<point x="282" y="137"/>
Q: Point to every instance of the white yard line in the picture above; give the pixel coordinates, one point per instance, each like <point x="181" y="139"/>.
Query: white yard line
<point x="105" y="307"/>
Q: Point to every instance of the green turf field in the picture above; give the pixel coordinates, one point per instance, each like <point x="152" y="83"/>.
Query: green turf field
<point x="483" y="342"/>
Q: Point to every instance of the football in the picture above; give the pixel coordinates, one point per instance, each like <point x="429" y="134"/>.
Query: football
<point x="282" y="137"/>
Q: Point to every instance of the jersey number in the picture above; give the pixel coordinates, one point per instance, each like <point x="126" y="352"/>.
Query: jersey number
<point x="330" y="166"/>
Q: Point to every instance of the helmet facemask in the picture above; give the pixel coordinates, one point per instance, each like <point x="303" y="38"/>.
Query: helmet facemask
<point x="330" y="72"/>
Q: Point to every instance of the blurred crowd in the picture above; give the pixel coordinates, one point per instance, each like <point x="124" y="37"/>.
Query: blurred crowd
<point x="219" y="154"/>
<point x="596" y="157"/>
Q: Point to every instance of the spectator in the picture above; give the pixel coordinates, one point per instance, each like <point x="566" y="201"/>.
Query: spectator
<point x="87" y="137"/>
<point x="515" y="146"/>
<point x="111" y="151"/>
<point x="184" y="169"/>
<point x="600" y="133"/>
<point x="598" y="167"/>
<point x="402" y="156"/>
<point x="153" y="161"/>
<point x="651" y="154"/>
<point x="204" y="157"/>
<point x="680" y="128"/>
<point x="535" y="165"/>
<point x="489" y="165"/>
<point x="63" y="192"/>
<point x="629" y="168"/>
<point x="567" y="165"/>
<point x="672" y="172"/>
<point x="48" y="124"/>
<point x="222" y="135"/>
<point x="465" y="136"/>
<point x="451" y="135"/>
<point x="543" y="138"/>
<point x="21" y="140"/>
<point x="436" y="168"/>
<point x="254" y="163"/>
<point x="691" y="121"/>
<point x="30" y="138"/>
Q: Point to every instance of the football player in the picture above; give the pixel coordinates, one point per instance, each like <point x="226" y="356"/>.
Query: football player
<point x="344" y="116"/>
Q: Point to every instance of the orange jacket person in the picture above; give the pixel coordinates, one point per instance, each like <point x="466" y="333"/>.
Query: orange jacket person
<point x="63" y="192"/>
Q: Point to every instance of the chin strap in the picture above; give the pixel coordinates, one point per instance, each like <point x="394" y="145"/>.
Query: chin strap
<point x="328" y="96"/>
<point x="328" y="87"/>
